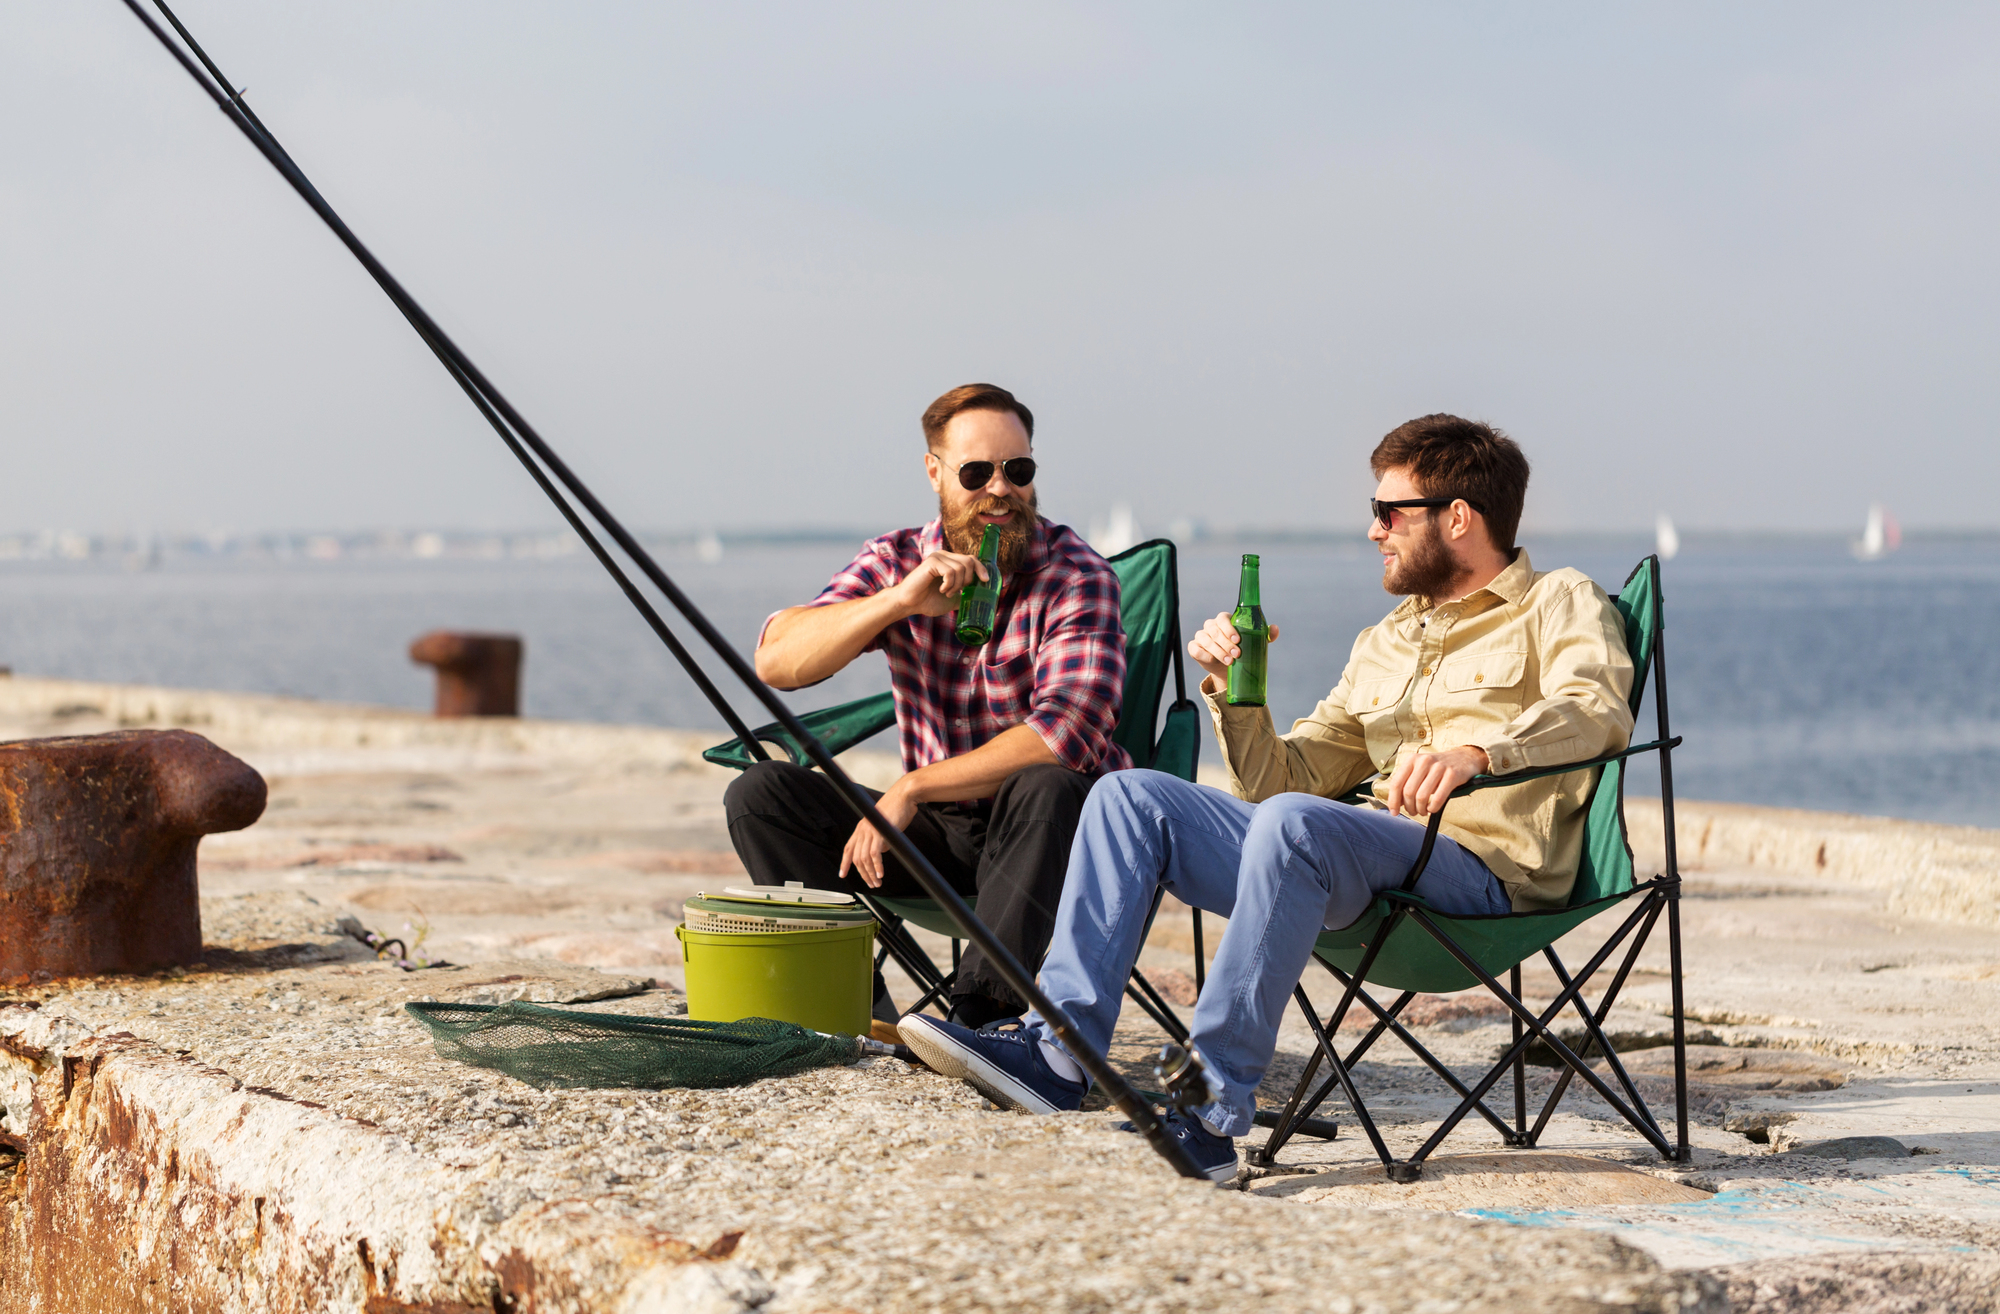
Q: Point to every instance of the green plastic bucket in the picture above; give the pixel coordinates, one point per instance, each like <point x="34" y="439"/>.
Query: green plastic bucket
<point x="817" y="979"/>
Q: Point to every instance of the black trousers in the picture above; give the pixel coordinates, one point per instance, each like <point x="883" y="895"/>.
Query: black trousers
<point x="790" y="824"/>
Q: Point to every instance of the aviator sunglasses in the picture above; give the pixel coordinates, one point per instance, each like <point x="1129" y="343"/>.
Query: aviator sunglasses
<point x="1385" y="511"/>
<point x="974" y="475"/>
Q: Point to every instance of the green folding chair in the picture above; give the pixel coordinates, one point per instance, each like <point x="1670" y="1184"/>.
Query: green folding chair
<point x="1149" y="608"/>
<point x="1401" y="944"/>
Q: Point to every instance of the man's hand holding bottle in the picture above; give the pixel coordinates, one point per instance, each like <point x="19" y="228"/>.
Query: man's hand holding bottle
<point x="1232" y="647"/>
<point x="932" y="589"/>
<point x="1216" y="647"/>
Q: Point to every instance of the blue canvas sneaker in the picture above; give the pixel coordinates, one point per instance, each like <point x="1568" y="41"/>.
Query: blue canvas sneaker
<point x="1214" y="1155"/>
<point x="1003" y="1062"/>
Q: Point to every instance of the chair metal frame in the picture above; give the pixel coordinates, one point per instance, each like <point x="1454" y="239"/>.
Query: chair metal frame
<point x="937" y="988"/>
<point x="1659" y="896"/>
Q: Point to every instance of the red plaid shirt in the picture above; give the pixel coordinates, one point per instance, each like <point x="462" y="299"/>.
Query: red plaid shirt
<point x="1056" y="662"/>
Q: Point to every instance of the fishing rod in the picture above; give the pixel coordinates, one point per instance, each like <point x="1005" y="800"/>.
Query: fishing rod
<point x="576" y="524"/>
<point x="542" y="463"/>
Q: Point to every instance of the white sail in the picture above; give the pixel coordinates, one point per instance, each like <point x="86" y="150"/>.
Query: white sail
<point x="1115" y="533"/>
<point x="1666" y="539"/>
<point x="708" y="548"/>
<point x="1880" y="536"/>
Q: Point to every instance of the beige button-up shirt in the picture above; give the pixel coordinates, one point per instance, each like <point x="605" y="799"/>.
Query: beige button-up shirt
<point x="1532" y="669"/>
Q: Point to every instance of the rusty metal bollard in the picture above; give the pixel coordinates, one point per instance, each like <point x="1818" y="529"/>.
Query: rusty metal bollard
<point x="97" y="848"/>
<point x="478" y="674"/>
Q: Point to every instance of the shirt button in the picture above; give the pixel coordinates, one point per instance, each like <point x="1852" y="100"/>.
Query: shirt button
<point x="1374" y="702"/>
<point x="1478" y="679"/>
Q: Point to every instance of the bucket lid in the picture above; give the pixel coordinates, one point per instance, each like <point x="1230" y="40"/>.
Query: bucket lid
<point x="789" y="892"/>
<point x="779" y="909"/>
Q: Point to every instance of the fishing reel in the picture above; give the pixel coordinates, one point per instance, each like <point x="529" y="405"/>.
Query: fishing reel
<point x="1182" y="1077"/>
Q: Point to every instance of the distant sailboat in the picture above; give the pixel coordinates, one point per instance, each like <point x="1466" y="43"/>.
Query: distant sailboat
<point x="1880" y="536"/>
<point x="1666" y="539"/>
<point x="1114" y="535"/>
<point x="708" y="548"/>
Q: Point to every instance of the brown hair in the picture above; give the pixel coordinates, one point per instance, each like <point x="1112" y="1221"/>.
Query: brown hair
<point x="1450" y="457"/>
<point x="972" y="397"/>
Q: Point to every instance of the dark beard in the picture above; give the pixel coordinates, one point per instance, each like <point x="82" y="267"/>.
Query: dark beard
<point x="963" y="531"/>
<point x="1425" y="571"/>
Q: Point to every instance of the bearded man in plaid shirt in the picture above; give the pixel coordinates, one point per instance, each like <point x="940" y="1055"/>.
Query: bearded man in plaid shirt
<point x="1000" y="743"/>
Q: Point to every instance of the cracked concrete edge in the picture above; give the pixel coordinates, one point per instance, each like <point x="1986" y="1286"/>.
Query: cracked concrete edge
<point x="155" y="1183"/>
<point x="209" y="1195"/>
<point x="1944" y="873"/>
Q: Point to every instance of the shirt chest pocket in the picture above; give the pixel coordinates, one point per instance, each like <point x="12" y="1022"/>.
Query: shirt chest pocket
<point x="1484" y="677"/>
<point x="1371" y="699"/>
<point x="1010" y="686"/>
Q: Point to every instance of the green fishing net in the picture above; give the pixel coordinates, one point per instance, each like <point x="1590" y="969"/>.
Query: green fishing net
<point x="548" y="1047"/>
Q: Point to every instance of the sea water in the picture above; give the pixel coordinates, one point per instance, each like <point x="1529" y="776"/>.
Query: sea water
<point x="1799" y="676"/>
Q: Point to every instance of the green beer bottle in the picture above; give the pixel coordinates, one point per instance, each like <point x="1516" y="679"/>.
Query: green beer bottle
<point x="1253" y="635"/>
<point x="976" y="602"/>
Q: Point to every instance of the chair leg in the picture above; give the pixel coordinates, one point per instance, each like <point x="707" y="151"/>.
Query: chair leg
<point x="1142" y="993"/>
<point x="1288" y="1121"/>
<point x="1594" y="1024"/>
<point x="1539" y="1026"/>
<point x="1382" y="1017"/>
<point x="1267" y="1154"/>
<point x="1671" y="883"/>
<point x="894" y="938"/>
<point x="1200" y="958"/>
<point x="1293" y="1118"/>
<point x="1346" y="1080"/>
<point x="939" y="994"/>
<point x="1375" y="1032"/>
<point x="1387" y="1021"/>
<point x="1682" y="1152"/>
<point x="1520" y="1136"/>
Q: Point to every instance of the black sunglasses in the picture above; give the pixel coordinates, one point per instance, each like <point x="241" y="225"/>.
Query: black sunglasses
<point x="974" y="475"/>
<point x="1385" y="511"/>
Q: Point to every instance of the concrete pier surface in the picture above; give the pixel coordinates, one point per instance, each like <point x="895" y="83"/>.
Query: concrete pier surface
<point x="269" y="1130"/>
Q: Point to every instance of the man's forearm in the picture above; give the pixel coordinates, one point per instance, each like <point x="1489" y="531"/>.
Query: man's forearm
<point x="1252" y="754"/>
<point x="804" y="645"/>
<point x="980" y="773"/>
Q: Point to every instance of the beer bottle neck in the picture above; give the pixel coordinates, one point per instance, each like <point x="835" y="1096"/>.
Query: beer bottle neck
<point x="989" y="544"/>
<point x="1246" y="590"/>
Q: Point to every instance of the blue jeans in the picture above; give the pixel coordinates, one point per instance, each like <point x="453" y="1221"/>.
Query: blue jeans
<point x="1280" y="871"/>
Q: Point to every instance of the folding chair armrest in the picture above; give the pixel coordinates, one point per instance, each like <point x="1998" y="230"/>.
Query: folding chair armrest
<point x="736" y="755"/>
<point x="1519" y="777"/>
<point x="840" y="728"/>
<point x="1487" y="782"/>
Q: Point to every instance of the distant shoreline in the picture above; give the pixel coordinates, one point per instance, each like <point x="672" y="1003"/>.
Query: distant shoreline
<point x="151" y="550"/>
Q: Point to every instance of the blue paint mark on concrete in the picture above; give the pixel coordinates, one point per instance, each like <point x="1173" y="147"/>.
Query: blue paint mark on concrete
<point x="1987" y="1177"/>
<point x="1779" y="1218"/>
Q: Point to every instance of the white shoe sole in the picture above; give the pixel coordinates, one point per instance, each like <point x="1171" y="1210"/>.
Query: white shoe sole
<point x="948" y="1057"/>
<point x="939" y="1056"/>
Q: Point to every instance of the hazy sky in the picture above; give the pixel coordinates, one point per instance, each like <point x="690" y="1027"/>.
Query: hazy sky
<point x="1736" y="262"/>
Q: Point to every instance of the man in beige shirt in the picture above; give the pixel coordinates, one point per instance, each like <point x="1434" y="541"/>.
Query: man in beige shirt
<point x="1488" y="666"/>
